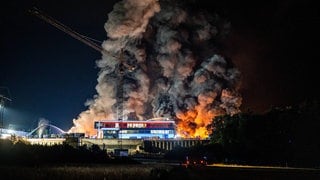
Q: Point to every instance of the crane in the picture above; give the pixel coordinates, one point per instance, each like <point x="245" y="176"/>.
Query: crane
<point x="35" y="11"/>
<point x="123" y="66"/>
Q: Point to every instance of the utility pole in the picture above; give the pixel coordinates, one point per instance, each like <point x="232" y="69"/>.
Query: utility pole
<point x="1" y="112"/>
<point x="120" y="110"/>
<point x="120" y="114"/>
<point x="3" y="100"/>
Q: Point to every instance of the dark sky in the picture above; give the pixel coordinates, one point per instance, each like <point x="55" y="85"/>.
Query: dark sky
<point x="275" y="44"/>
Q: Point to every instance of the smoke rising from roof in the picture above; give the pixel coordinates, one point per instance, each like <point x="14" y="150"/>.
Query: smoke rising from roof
<point x="180" y="72"/>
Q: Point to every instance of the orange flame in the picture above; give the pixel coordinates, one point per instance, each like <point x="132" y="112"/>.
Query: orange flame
<point x="191" y="124"/>
<point x="194" y="122"/>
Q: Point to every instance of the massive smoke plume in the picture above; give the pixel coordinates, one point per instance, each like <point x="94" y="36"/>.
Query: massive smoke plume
<point x="173" y="67"/>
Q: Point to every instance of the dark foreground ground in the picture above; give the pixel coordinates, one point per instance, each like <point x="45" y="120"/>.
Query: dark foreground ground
<point x="154" y="172"/>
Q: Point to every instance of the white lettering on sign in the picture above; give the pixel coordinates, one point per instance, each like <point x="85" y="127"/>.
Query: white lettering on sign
<point x="136" y="125"/>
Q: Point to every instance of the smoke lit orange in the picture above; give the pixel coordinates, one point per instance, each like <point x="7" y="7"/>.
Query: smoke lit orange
<point x="193" y="123"/>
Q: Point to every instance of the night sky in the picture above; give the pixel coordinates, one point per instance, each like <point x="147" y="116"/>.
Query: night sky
<point x="275" y="45"/>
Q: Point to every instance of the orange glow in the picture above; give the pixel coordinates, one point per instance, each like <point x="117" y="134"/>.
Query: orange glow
<point x="190" y="124"/>
<point x="85" y="123"/>
<point x="194" y="122"/>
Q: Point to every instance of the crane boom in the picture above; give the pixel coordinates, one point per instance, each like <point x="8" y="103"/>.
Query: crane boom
<point x="123" y="65"/>
<point x="38" y="13"/>
<point x="35" y="11"/>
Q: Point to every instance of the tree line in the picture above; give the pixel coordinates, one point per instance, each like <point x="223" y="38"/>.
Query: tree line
<point x="21" y="153"/>
<point x="282" y="136"/>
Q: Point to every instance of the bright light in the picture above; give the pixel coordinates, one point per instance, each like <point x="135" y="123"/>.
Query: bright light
<point x="5" y="136"/>
<point x="10" y="131"/>
<point x="177" y="136"/>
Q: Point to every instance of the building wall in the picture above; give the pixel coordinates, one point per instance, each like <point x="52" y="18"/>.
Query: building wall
<point x="139" y="145"/>
<point x="46" y="141"/>
<point x="133" y="145"/>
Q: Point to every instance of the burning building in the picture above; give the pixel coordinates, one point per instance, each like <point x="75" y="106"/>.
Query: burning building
<point x="179" y="70"/>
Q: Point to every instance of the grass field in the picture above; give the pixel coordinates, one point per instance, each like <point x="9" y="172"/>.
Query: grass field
<point x="154" y="172"/>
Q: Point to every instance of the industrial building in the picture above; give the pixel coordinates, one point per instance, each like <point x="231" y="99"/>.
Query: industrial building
<point x="148" y="129"/>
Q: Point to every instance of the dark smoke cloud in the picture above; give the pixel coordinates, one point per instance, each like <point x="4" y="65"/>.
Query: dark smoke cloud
<point x="178" y="66"/>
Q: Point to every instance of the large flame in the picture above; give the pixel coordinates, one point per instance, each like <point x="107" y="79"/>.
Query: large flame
<point x="180" y="71"/>
<point x="194" y="122"/>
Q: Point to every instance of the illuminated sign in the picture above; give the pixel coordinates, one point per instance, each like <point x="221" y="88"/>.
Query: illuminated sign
<point x="136" y="125"/>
